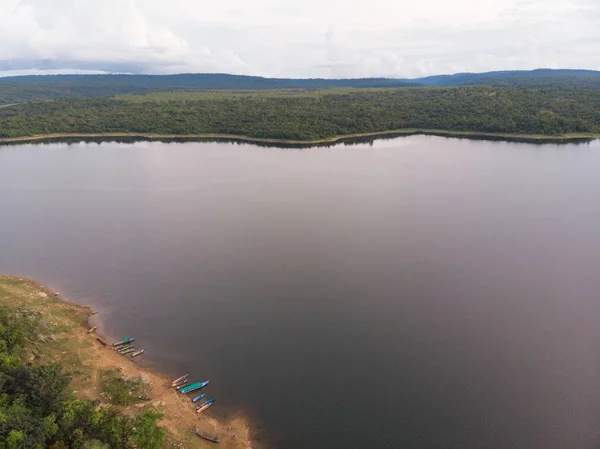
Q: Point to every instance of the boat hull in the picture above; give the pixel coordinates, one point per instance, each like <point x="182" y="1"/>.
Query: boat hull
<point x="179" y="379"/>
<point x="205" y="405"/>
<point x="193" y="387"/>
<point x="124" y="341"/>
<point x="201" y="409"/>
<point x="197" y="398"/>
<point x="208" y="436"/>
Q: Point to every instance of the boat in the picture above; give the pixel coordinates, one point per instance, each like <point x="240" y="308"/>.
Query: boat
<point x="180" y="384"/>
<point x="136" y="353"/>
<point x="127" y="352"/>
<point x="93" y="329"/>
<point x="183" y="384"/>
<point x="123" y="348"/>
<point x="193" y="387"/>
<point x="205" y="405"/>
<point x="124" y="341"/>
<point x="197" y="398"/>
<point x="179" y="379"/>
<point x="102" y="341"/>
<point x="208" y="436"/>
<point x="183" y="389"/>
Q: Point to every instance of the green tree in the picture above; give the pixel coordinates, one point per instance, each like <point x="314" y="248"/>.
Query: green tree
<point x="42" y="386"/>
<point x="147" y="434"/>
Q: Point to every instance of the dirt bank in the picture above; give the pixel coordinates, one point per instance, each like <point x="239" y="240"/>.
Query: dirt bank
<point x="63" y="338"/>
<point x="330" y="140"/>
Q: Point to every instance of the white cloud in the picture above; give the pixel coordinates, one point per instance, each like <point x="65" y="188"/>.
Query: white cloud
<point x="340" y="38"/>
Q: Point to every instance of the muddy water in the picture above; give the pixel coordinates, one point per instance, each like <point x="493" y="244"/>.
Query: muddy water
<point x="419" y="292"/>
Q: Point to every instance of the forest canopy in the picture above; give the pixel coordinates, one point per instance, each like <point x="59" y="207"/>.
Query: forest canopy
<point x="315" y="114"/>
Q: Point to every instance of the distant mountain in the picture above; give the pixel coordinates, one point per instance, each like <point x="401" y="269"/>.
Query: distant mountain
<point x="49" y="87"/>
<point x="540" y="78"/>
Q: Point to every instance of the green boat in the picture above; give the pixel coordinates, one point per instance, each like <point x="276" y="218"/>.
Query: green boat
<point x="193" y="387"/>
<point x="124" y="341"/>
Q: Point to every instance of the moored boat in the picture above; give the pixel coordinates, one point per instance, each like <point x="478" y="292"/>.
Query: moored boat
<point x="136" y="353"/>
<point x="179" y="379"/>
<point x="193" y="387"/>
<point x="124" y="341"/>
<point x="205" y="405"/>
<point x="208" y="436"/>
<point x="93" y="329"/>
<point x="197" y="398"/>
<point x="180" y="384"/>
<point x="102" y="341"/>
<point x="127" y="352"/>
<point x="123" y="348"/>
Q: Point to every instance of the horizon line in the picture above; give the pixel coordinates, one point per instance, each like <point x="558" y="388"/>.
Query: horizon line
<point x="75" y="72"/>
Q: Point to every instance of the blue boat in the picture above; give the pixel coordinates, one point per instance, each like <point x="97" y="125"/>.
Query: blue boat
<point x="205" y="405"/>
<point x="193" y="387"/>
<point x="197" y="398"/>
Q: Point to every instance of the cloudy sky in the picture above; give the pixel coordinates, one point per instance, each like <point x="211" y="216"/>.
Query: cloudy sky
<point x="297" y="38"/>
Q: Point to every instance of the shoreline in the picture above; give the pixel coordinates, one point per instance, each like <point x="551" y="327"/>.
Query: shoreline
<point x="85" y="358"/>
<point x="533" y="138"/>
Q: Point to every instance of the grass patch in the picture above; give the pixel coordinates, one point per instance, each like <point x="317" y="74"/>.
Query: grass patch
<point x="122" y="391"/>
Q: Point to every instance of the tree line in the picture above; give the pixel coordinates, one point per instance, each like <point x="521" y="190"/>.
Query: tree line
<point x="316" y="114"/>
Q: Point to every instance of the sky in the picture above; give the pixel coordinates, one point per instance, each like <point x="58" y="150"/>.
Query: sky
<point x="297" y="38"/>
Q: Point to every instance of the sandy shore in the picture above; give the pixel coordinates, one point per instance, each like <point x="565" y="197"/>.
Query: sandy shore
<point x="68" y="342"/>
<point x="331" y="140"/>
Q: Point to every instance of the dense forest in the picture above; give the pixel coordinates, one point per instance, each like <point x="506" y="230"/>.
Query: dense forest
<point x="51" y="87"/>
<point x="308" y="115"/>
<point x="38" y="411"/>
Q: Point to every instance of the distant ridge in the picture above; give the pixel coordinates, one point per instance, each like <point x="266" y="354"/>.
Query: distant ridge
<point x="28" y="88"/>
<point x="519" y="78"/>
<point x="20" y="89"/>
<point x="207" y="81"/>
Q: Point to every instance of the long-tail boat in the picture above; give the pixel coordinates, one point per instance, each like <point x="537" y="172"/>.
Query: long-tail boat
<point x="205" y="405"/>
<point x="197" y="398"/>
<point x="193" y="387"/>
<point x="179" y="379"/>
<point x="180" y="384"/>
<point x="136" y="353"/>
<point x="207" y="436"/>
<point x="123" y="348"/>
<point x="127" y="352"/>
<point x="124" y="341"/>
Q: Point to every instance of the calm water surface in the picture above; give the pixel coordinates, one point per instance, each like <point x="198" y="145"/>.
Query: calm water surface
<point x="418" y="293"/>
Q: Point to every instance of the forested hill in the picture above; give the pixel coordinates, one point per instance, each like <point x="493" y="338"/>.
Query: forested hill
<point x="540" y="78"/>
<point x="312" y="115"/>
<point x="51" y="87"/>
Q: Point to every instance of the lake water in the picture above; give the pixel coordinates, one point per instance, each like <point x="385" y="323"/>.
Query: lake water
<point x="419" y="292"/>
